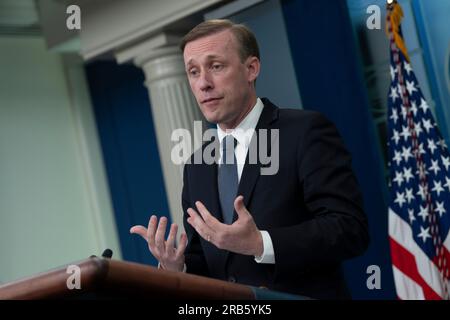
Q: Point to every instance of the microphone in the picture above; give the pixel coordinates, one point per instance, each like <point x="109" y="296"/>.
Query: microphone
<point x="107" y="254"/>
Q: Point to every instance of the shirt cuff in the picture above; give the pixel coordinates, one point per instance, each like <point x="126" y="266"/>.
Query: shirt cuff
<point x="268" y="255"/>
<point x="160" y="267"/>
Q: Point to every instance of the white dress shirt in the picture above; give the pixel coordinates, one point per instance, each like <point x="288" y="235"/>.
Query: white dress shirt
<point x="243" y="134"/>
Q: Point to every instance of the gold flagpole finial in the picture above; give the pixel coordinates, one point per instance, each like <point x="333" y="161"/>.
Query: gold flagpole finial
<point x="394" y="18"/>
<point x="391" y="3"/>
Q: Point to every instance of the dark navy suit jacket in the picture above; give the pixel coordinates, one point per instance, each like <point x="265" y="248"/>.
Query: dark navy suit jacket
<point x="312" y="208"/>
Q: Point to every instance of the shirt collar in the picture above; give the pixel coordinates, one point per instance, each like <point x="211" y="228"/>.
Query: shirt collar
<point x="244" y="131"/>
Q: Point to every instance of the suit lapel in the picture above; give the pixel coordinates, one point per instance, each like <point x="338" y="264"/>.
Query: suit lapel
<point x="209" y="174"/>
<point x="210" y="198"/>
<point x="252" y="171"/>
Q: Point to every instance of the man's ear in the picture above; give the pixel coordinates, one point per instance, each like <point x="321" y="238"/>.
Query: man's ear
<point x="253" y="66"/>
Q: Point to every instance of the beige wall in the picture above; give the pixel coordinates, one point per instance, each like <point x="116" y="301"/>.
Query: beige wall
<point x="54" y="201"/>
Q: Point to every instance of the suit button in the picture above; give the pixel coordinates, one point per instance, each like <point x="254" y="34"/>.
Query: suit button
<point x="232" y="279"/>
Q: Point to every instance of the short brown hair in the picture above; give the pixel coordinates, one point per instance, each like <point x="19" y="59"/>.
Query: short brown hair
<point x="248" y="47"/>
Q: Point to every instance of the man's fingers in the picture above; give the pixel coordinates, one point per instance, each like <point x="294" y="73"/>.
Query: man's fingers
<point x="140" y="230"/>
<point x="181" y="245"/>
<point x="209" y="219"/>
<point x="159" y="235"/>
<point x="151" y="230"/>
<point x="170" y="243"/>
<point x="199" y="225"/>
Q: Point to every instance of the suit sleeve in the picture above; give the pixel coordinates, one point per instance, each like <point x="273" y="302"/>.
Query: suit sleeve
<point x="194" y="257"/>
<point x="337" y="229"/>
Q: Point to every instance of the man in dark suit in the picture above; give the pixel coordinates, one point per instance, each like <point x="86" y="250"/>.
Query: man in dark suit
<point x="288" y="230"/>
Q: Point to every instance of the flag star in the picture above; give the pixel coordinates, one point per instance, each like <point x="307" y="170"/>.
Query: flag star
<point x="398" y="157"/>
<point x="421" y="150"/>
<point x="404" y="112"/>
<point x="442" y="144"/>
<point x="407" y="174"/>
<point x="434" y="166"/>
<point x="445" y="162"/>
<point x="421" y="192"/>
<point x="394" y="116"/>
<point x="424" y="233"/>
<point x="447" y="183"/>
<point x="394" y="95"/>
<point x="410" y="87"/>
<point x="393" y="72"/>
<point x="424" y="105"/>
<point x="411" y="216"/>
<point x="422" y="171"/>
<point x="414" y="108"/>
<point x="431" y="145"/>
<point x="400" y="89"/>
<point x="437" y="187"/>
<point x="407" y="67"/>
<point x="427" y="125"/>
<point x="400" y="199"/>
<point x="440" y="208"/>
<point x="398" y="178"/>
<point x="395" y="136"/>
<point x="423" y="213"/>
<point x="406" y="153"/>
<point x="409" y="195"/>
<point x="418" y="129"/>
<point x="405" y="132"/>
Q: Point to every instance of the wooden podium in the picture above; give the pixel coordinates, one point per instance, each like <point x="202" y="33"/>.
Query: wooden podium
<point x="111" y="279"/>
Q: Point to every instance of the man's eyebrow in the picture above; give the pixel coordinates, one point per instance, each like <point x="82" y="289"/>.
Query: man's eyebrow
<point x="189" y="62"/>
<point x="213" y="56"/>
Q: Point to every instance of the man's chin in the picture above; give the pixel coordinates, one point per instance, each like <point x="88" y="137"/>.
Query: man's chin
<point x="212" y="118"/>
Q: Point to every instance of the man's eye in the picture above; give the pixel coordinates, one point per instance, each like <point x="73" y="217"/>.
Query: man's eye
<point x="193" y="72"/>
<point x="217" y="67"/>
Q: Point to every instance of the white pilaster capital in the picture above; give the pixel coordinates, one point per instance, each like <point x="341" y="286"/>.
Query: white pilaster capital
<point x="145" y="47"/>
<point x="162" y="63"/>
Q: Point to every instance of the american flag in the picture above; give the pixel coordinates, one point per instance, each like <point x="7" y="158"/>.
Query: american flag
<point x="419" y="168"/>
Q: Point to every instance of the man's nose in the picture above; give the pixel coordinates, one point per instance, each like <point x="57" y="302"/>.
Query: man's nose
<point x="206" y="82"/>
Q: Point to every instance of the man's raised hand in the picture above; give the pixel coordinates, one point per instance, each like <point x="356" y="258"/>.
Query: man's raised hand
<point x="169" y="256"/>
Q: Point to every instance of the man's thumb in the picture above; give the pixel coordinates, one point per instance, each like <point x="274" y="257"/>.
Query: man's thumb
<point x="239" y="206"/>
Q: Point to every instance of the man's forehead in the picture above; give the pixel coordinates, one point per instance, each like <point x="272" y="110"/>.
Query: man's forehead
<point x="209" y="46"/>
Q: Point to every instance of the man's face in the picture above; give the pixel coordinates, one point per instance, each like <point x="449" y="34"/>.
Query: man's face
<point x="220" y="81"/>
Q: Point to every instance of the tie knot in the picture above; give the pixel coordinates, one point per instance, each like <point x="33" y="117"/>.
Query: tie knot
<point x="228" y="145"/>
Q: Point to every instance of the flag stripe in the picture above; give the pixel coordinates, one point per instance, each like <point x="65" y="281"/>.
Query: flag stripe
<point x="405" y="262"/>
<point x="407" y="289"/>
<point x="401" y="232"/>
<point x="446" y="256"/>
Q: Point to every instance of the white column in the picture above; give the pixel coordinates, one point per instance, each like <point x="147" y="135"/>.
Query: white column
<point x="173" y="106"/>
